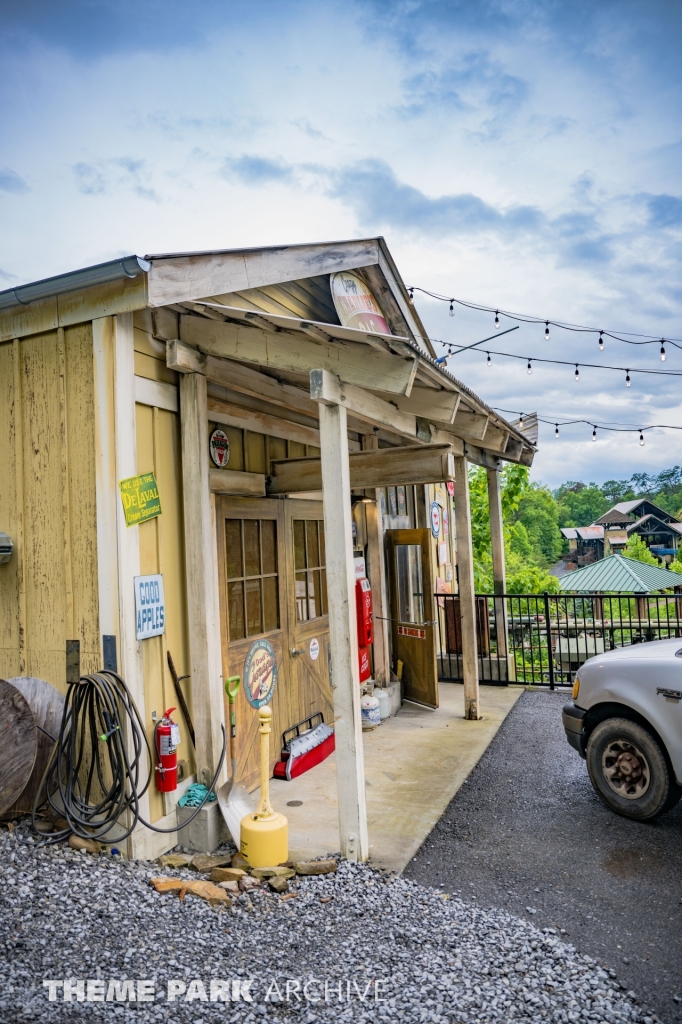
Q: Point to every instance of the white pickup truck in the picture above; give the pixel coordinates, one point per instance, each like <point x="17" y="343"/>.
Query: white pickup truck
<point x="626" y="721"/>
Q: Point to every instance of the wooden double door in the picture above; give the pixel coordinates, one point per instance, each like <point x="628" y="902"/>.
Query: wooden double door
<point x="272" y="580"/>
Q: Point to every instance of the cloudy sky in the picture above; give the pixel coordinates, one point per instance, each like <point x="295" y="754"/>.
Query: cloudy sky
<point x="521" y="155"/>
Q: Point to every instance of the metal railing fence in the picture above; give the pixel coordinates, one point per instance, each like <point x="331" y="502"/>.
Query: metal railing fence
<point x="543" y="639"/>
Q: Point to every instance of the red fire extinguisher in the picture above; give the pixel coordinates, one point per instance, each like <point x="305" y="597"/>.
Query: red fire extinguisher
<point x="166" y="741"/>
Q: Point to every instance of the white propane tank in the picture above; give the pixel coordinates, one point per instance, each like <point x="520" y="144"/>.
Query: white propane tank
<point x="369" y="709"/>
<point x="384" y="702"/>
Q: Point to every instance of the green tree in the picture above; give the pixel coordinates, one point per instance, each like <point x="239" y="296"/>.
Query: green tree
<point x="580" y="504"/>
<point x="637" y="549"/>
<point x="617" y="490"/>
<point x="539" y="514"/>
<point x="524" y="576"/>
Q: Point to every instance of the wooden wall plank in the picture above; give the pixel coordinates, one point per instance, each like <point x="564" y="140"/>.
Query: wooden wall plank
<point x="82" y="492"/>
<point x="11" y="509"/>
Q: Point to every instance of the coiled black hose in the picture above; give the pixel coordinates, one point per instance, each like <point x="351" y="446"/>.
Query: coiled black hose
<point x="96" y="763"/>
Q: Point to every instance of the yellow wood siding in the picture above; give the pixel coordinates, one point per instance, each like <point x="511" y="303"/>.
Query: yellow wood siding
<point x="48" y="591"/>
<point x="162" y="551"/>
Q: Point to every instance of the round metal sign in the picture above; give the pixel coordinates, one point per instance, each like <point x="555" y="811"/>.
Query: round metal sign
<point x="314" y="649"/>
<point x="356" y="305"/>
<point x="435" y="519"/>
<point x="219" y="448"/>
<point x="260" y="674"/>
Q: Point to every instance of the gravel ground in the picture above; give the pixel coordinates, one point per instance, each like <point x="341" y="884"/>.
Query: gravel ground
<point x="69" y="915"/>
<point x="527" y="833"/>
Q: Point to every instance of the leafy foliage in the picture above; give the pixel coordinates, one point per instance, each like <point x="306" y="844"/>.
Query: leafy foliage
<point x="637" y="549"/>
<point x="533" y="516"/>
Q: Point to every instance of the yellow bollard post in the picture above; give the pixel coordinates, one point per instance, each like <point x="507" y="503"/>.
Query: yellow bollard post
<point x="265" y="833"/>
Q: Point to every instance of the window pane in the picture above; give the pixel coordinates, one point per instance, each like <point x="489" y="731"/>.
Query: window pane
<point x="323" y="559"/>
<point x="253" y="607"/>
<point x="270" y="604"/>
<point x="299" y="544"/>
<point x="268" y="539"/>
<point x="301" y="602"/>
<point x="323" y="590"/>
<point x="314" y="602"/>
<point x="235" y="602"/>
<point x="410" y="588"/>
<point x="251" y="548"/>
<point x="313" y="547"/>
<point x="233" y="543"/>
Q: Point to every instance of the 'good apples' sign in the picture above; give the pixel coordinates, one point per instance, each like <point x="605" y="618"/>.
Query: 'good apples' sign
<point x="150" y="606"/>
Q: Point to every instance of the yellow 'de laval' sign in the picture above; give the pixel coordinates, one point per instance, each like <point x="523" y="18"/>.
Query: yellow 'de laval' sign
<point x="140" y="496"/>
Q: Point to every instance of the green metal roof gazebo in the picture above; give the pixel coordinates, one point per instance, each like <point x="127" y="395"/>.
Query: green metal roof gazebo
<point x="617" y="574"/>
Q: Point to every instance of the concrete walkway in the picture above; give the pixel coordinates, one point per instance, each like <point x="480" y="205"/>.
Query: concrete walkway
<point x="414" y="765"/>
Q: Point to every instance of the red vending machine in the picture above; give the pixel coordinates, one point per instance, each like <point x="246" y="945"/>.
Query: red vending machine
<point x="363" y="605"/>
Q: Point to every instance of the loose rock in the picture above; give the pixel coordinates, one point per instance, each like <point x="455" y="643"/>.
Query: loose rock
<point x="205" y="862"/>
<point x="226" y="874"/>
<point x="247" y="883"/>
<point x="175" y="860"/>
<point x="264" y="873"/>
<point x="315" y="867"/>
<point x="278" y="884"/>
<point x="238" y="861"/>
<point x="89" y="845"/>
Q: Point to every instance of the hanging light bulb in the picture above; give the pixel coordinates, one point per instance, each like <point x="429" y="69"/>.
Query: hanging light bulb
<point x="577" y="372"/>
<point x="546" y="330"/>
<point x="594" y="433"/>
<point x="520" y="417"/>
<point x="601" y="341"/>
<point x="410" y="292"/>
<point x="641" y="439"/>
<point x="662" y="351"/>
<point x="452" y="308"/>
<point x="490" y="362"/>
<point x="529" y="369"/>
<point x="497" y="319"/>
<point x="627" y="378"/>
<point x="556" y="429"/>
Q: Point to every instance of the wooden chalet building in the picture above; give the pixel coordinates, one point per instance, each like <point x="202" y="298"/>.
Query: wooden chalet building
<point x="241" y="426"/>
<point x="608" y="535"/>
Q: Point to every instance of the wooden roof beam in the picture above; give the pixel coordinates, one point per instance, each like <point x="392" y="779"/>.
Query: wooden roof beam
<point x="380" y="467"/>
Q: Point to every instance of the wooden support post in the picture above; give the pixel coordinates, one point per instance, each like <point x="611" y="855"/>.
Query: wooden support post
<point x="499" y="569"/>
<point x="201" y="566"/>
<point x="350" y="761"/>
<point x="465" y="565"/>
<point x="118" y="547"/>
<point x="377" y="577"/>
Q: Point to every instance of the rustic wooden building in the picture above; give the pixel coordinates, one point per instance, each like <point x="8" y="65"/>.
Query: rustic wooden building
<point x="240" y="425"/>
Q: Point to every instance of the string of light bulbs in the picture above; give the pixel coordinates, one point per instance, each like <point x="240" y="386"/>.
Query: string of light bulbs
<point x="453" y="350"/>
<point x="620" y="428"/>
<point x="649" y="339"/>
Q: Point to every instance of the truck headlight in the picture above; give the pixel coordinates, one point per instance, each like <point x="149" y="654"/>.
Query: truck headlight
<point x="576" y="687"/>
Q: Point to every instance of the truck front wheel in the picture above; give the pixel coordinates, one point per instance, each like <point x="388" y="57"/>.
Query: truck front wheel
<point x="629" y="770"/>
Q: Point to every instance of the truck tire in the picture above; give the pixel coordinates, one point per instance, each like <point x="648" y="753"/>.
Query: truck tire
<point x="629" y="771"/>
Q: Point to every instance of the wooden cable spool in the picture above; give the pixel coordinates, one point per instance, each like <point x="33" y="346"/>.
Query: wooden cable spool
<point x="28" y="706"/>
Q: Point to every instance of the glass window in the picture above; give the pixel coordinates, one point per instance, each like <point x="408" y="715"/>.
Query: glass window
<point x="310" y="585"/>
<point x="410" y="587"/>
<point x="252" y="581"/>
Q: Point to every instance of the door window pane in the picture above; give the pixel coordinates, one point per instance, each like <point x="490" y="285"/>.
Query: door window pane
<point x="268" y="546"/>
<point x="299" y="544"/>
<point x="233" y="544"/>
<point x="253" y="607"/>
<point x="312" y="544"/>
<point x="410" y="586"/>
<point x="235" y="603"/>
<point x="270" y="604"/>
<point x="301" y="600"/>
<point x="311" y="585"/>
<point x="251" y="548"/>
<point x="252" y="581"/>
